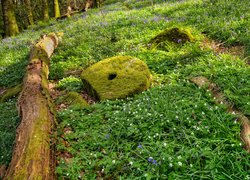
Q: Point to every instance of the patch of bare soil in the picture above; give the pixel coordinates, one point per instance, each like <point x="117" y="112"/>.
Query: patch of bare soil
<point x="88" y="98"/>
<point x="220" y="98"/>
<point x="237" y="50"/>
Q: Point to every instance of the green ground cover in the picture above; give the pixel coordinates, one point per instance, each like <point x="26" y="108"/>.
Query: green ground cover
<point x="174" y="129"/>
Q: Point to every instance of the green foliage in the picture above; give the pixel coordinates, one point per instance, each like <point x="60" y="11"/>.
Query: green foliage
<point x="107" y="138"/>
<point x="70" y="84"/>
<point x="167" y="132"/>
<point x="116" y="77"/>
<point x="9" y="121"/>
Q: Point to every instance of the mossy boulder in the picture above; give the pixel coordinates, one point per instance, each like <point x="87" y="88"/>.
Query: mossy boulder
<point x="174" y="35"/>
<point x="72" y="98"/>
<point x="116" y="77"/>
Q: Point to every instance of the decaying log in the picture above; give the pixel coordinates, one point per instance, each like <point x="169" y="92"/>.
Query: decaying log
<point x="33" y="156"/>
<point x="203" y="82"/>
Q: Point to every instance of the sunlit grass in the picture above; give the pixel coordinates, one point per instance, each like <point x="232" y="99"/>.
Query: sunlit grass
<point x="173" y="130"/>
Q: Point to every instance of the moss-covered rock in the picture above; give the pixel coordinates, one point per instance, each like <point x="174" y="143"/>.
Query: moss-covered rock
<point x="72" y="98"/>
<point x="116" y="77"/>
<point x="174" y="35"/>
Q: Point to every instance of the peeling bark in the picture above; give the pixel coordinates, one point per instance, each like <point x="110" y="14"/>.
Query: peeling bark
<point x="33" y="156"/>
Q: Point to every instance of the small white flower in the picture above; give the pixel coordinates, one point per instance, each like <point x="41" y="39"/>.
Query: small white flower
<point x="170" y="165"/>
<point x="191" y="165"/>
<point x="178" y="157"/>
<point x="131" y="163"/>
<point x="164" y="144"/>
<point x="180" y="163"/>
<point x="113" y="161"/>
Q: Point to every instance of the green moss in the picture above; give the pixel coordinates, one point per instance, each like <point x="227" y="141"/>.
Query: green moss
<point x="9" y="93"/>
<point x="72" y="98"/>
<point x="174" y="35"/>
<point x="116" y="77"/>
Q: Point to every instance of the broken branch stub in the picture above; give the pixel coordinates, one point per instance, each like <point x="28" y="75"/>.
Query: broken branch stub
<point x="33" y="156"/>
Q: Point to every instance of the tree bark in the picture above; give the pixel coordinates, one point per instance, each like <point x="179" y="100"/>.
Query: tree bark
<point x="45" y="10"/>
<point x="33" y="156"/>
<point x="10" y="25"/>
<point x="30" y="14"/>
<point x="56" y="9"/>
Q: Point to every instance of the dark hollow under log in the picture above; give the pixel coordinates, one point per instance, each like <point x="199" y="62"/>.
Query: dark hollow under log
<point x="33" y="156"/>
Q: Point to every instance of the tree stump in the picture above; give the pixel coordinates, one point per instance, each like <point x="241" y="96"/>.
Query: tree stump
<point x="33" y="155"/>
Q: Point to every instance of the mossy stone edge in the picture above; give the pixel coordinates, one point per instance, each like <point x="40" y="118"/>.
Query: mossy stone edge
<point x="116" y="77"/>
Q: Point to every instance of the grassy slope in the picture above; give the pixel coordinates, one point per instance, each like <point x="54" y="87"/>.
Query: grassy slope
<point x="125" y="28"/>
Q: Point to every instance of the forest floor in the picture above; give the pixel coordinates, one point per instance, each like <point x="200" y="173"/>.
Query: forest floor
<point x="175" y="129"/>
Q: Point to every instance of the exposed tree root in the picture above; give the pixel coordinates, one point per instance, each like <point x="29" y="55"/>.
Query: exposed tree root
<point x="33" y="155"/>
<point x="203" y="82"/>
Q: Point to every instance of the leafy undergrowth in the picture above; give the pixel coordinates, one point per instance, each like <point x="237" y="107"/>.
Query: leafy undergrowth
<point x="171" y="131"/>
<point x="9" y="120"/>
<point x="174" y="130"/>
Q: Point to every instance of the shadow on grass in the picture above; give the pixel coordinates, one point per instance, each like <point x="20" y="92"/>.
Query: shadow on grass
<point x="14" y="73"/>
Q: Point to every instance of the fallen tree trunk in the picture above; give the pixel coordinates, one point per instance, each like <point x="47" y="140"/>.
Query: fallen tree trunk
<point x="33" y="156"/>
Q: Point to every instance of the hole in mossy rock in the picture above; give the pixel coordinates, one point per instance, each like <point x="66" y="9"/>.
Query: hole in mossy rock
<point x="112" y="76"/>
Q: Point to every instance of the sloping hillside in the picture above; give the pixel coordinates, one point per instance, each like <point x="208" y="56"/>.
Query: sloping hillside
<point x="174" y="130"/>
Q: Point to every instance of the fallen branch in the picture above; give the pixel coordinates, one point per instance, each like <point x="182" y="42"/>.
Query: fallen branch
<point x="220" y="98"/>
<point x="33" y="156"/>
<point x="11" y="92"/>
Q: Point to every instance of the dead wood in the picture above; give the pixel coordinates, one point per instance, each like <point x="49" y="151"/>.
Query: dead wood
<point x="33" y="156"/>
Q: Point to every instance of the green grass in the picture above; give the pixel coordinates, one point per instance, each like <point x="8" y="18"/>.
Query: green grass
<point x="9" y="121"/>
<point x="179" y="126"/>
<point x="187" y="130"/>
